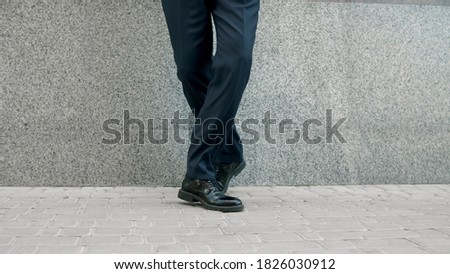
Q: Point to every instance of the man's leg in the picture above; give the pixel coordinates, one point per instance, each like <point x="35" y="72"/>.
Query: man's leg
<point x="231" y="150"/>
<point x="191" y="36"/>
<point x="190" y="29"/>
<point x="230" y="159"/>
<point x="235" y="22"/>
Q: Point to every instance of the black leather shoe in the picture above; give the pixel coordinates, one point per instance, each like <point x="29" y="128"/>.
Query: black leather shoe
<point x="207" y="193"/>
<point x="225" y="172"/>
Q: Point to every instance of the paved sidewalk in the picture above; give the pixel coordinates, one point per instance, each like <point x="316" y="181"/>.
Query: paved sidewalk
<point x="316" y="219"/>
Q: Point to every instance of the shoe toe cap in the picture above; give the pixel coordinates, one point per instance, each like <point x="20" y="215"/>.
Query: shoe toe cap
<point x="230" y="201"/>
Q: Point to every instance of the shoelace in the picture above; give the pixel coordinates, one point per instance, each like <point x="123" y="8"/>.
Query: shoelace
<point x="211" y="185"/>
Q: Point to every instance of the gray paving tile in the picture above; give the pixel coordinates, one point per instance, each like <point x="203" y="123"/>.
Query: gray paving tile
<point x="279" y="237"/>
<point x="42" y="223"/>
<point x="133" y="240"/>
<point x="310" y="236"/>
<point x="6" y="240"/>
<point x="402" y="250"/>
<point x="338" y="226"/>
<point x="108" y="223"/>
<point x="86" y="223"/>
<point x="167" y="222"/>
<point x="380" y="243"/>
<point x="445" y="230"/>
<point x="337" y="244"/>
<point x="431" y="241"/>
<point x="127" y="217"/>
<point x="207" y="231"/>
<point x="76" y="231"/>
<point x="50" y="231"/>
<point x="329" y="251"/>
<point x="119" y="249"/>
<point x="100" y="240"/>
<point x="199" y="248"/>
<point x="229" y="221"/>
<point x="160" y="239"/>
<point x="19" y="231"/>
<point x="44" y="241"/>
<point x="430" y="233"/>
<point x="82" y="216"/>
<point x="229" y="248"/>
<point x="208" y="239"/>
<point x="170" y="249"/>
<point x="60" y="250"/>
<point x="287" y="247"/>
<point x="382" y="226"/>
<point x="384" y="234"/>
<point x="438" y="249"/>
<point x="22" y="249"/>
<point x="190" y="223"/>
<point x="251" y="228"/>
<point x="4" y="249"/>
<point x="163" y="231"/>
<point x="340" y="235"/>
<point x="4" y="224"/>
<point x="111" y="231"/>
<point x="249" y="238"/>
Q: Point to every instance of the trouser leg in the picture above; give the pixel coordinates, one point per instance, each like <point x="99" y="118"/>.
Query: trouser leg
<point x="235" y="22"/>
<point x="191" y="36"/>
<point x="222" y="83"/>
<point x="232" y="150"/>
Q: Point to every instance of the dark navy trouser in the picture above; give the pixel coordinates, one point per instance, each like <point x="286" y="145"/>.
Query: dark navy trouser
<point x="212" y="85"/>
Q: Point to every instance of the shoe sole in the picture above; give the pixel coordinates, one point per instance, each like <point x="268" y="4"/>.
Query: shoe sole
<point x="238" y="170"/>
<point x="191" y="198"/>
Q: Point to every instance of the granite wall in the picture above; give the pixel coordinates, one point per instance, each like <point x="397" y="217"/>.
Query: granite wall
<point x="380" y="71"/>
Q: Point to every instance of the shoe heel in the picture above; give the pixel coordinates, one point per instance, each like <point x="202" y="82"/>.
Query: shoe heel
<point x="183" y="195"/>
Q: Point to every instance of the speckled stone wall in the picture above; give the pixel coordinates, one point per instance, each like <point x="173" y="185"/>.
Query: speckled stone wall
<point x="67" y="66"/>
